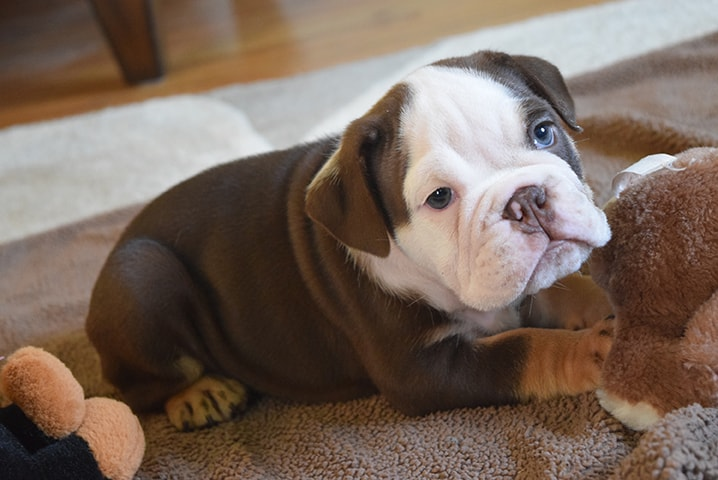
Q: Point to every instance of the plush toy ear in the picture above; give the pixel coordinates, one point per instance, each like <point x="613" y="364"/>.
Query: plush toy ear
<point x="342" y="198"/>
<point x="45" y="390"/>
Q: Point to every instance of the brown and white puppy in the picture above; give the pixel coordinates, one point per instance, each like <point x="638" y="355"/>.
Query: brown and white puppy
<point x="391" y="259"/>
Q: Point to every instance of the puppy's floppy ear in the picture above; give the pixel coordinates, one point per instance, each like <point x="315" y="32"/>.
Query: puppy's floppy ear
<point x="540" y="76"/>
<point x="342" y="196"/>
<point x="546" y="81"/>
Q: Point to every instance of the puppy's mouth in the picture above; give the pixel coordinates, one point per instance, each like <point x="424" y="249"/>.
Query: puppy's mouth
<point x="554" y="242"/>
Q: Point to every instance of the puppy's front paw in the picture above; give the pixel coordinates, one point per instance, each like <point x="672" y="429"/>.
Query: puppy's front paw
<point x="586" y="361"/>
<point x="205" y="403"/>
<point x="575" y="302"/>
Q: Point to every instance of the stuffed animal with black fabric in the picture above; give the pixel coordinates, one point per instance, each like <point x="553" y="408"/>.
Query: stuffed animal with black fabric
<point x="50" y="431"/>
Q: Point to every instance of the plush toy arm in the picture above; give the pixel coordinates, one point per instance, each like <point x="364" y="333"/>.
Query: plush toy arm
<point x="693" y="378"/>
<point x="699" y="347"/>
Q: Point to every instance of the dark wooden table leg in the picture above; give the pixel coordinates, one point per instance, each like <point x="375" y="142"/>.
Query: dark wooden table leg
<point x="129" y="28"/>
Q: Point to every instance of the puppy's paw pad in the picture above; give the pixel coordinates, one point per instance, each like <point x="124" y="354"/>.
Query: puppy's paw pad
<point x="207" y="402"/>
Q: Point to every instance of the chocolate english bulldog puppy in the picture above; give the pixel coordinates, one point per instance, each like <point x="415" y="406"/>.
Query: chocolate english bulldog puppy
<point x="392" y="258"/>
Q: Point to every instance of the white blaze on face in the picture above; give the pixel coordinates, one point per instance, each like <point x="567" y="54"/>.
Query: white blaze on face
<point x="468" y="133"/>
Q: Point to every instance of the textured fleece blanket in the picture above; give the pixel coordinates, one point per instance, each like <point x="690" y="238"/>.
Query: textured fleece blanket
<point x="665" y="101"/>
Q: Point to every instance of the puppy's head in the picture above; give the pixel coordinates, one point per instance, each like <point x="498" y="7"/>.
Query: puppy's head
<point x="461" y="185"/>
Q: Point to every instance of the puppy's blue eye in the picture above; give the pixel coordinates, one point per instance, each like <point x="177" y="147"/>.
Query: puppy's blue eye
<point x="543" y="135"/>
<point x="440" y="198"/>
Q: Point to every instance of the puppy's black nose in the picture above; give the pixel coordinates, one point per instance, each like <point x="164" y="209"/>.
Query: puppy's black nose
<point x="527" y="208"/>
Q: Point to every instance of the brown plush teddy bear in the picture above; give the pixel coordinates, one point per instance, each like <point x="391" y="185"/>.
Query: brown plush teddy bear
<point x="660" y="271"/>
<point x="51" y="431"/>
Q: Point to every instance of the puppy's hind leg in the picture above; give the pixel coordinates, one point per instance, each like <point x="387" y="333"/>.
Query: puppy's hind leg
<point x="143" y="320"/>
<point x="208" y="401"/>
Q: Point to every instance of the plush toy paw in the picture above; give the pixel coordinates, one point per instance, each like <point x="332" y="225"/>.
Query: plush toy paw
<point x="638" y="415"/>
<point x="51" y="431"/>
<point x="699" y="350"/>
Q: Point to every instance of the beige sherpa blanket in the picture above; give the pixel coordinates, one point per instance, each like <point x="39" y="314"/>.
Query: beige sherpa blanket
<point x="661" y="102"/>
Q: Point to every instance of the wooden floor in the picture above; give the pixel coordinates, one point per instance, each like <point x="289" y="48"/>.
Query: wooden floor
<point x="54" y="61"/>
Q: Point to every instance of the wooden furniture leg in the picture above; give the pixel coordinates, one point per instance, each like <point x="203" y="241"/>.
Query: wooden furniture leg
<point x="129" y="28"/>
